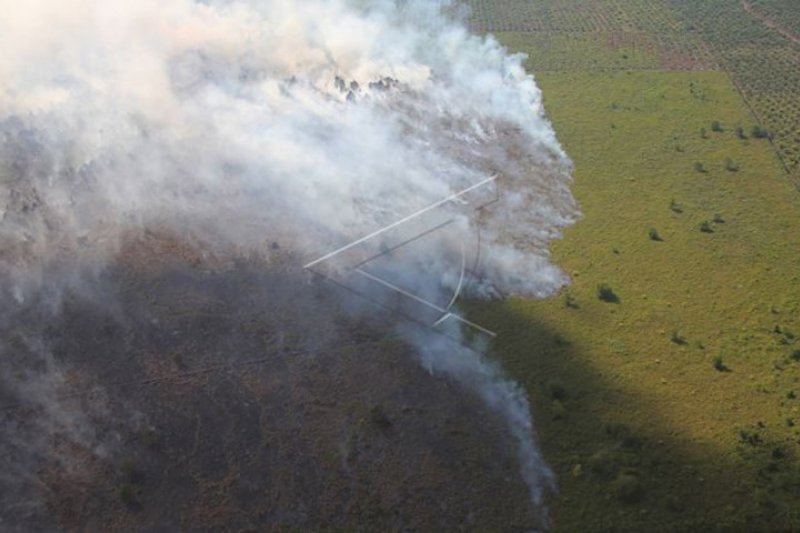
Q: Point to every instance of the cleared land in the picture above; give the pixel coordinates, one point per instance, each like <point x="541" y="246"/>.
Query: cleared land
<point x="675" y="407"/>
<point x="749" y="40"/>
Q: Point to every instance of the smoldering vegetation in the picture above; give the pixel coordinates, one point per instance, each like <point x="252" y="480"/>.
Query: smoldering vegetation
<point x="165" y="173"/>
<point x="183" y="392"/>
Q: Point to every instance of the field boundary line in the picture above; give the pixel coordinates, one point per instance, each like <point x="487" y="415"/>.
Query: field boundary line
<point x="769" y="23"/>
<point x="761" y="122"/>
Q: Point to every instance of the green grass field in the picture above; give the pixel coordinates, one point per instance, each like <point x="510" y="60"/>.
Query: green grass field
<point x="675" y="408"/>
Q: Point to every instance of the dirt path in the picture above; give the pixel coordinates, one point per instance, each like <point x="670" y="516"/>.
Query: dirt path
<point x="769" y="22"/>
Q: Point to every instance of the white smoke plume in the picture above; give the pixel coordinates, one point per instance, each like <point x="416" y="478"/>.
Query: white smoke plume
<point x="503" y="396"/>
<point x="240" y="123"/>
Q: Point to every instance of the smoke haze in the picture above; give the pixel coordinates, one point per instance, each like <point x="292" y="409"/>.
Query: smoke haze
<point x="278" y="129"/>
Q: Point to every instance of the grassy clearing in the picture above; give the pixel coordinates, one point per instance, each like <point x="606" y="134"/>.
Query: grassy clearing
<point x="650" y="433"/>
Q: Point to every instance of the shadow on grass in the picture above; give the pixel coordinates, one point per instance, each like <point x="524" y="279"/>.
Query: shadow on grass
<point x="614" y="474"/>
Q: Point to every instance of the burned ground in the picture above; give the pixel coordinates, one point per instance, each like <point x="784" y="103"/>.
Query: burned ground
<point x="183" y="392"/>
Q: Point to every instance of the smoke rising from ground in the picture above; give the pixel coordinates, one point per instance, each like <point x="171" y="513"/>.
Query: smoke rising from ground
<point x="310" y="124"/>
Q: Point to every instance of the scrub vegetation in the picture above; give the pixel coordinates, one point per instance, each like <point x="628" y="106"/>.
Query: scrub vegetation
<point x="677" y="407"/>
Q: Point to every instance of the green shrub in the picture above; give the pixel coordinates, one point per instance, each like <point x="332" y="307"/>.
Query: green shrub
<point x="677" y="338"/>
<point x="718" y="219"/>
<point x="378" y="417"/>
<point x="731" y="165"/>
<point x="760" y="133"/>
<point x="558" y="410"/>
<point x="177" y="358"/>
<point x="740" y="132"/>
<point x="558" y="340"/>
<point x="556" y="389"/>
<point x="128" y="494"/>
<point x="703" y="133"/>
<point x="149" y="437"/>
<point x="705" y="227"/>
<point x="607" y="294"/>
<point x="720" y="365"/>
<point x="571" y="302"/>
<point x="717" y="126"/>
<point x="602" y="463"/>
<point x="765" y="500"/>
<point x="628" y="488"/>
<point x="753" y="439"/>
<point x="787" y="336"/>
<point x="654" y="236"/>
<point x="631" y="443"/>
<point x="617" y="430"/>
<point x="675" y="206"/>
<point x="698" y="167"/>
<point x="674" y="504"/>
<point x="128" y="469"/>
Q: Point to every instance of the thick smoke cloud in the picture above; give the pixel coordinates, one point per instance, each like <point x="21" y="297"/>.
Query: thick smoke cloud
<point x="238" y="124"/>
